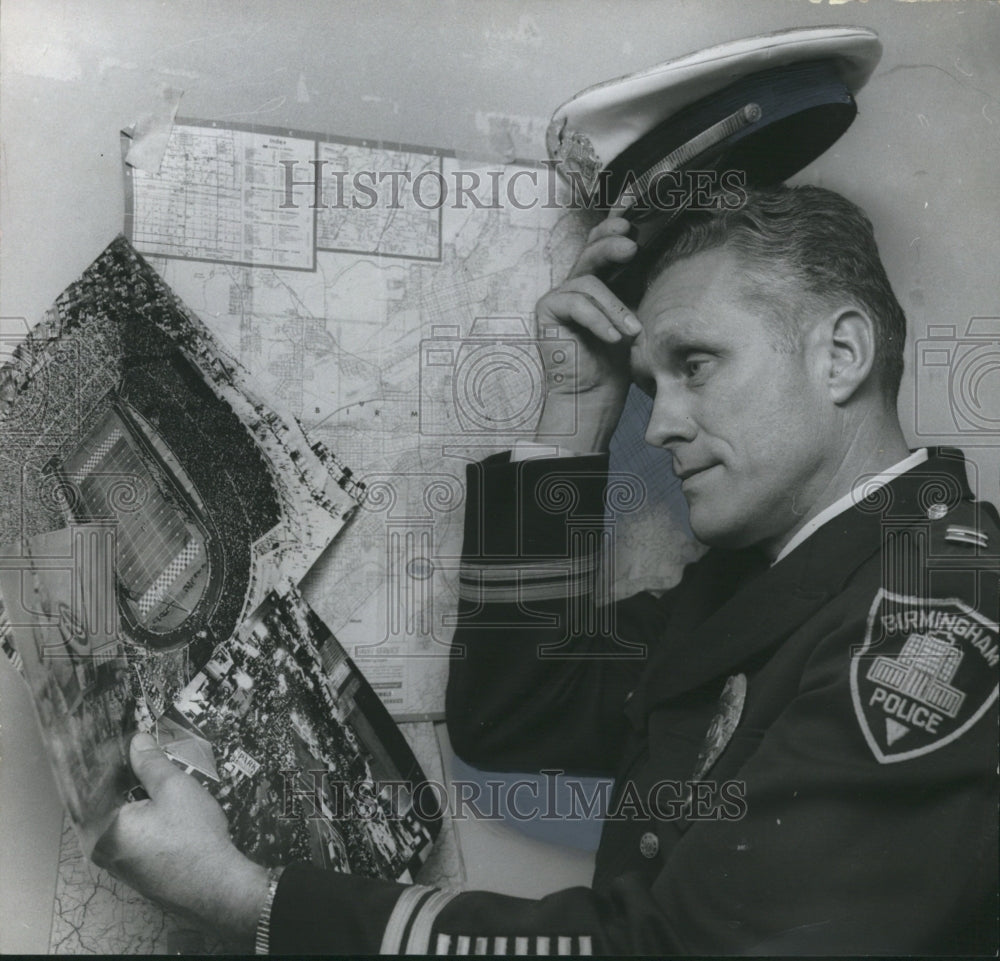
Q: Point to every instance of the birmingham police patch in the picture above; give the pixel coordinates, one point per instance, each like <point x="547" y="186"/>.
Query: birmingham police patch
<point x="925" y="674"/>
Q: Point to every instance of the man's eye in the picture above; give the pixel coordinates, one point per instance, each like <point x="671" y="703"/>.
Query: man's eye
<point x="697" y="365"/>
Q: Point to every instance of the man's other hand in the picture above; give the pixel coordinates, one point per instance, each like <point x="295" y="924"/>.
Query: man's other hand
<point x="175" y="849"/>
<point x="583" y="401"/>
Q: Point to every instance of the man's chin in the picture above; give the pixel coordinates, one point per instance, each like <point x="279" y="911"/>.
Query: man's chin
<point x="713" y="532"/>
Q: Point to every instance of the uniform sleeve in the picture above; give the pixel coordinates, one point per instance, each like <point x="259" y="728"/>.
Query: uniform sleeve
<point x="540" y="669"/>
<point x="821" y="848"/>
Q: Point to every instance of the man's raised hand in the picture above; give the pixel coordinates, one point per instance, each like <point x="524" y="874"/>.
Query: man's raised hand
<point x="584" y="399"/>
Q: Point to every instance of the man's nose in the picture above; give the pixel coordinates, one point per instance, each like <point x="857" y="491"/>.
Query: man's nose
<point x="670" y="423"/>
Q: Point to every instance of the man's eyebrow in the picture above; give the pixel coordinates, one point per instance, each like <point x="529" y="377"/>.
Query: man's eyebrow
<point x="681" y="338"/>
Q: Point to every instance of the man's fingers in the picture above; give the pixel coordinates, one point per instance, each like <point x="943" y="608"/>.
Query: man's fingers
<point x="609" y="227"/>
<point x="588" y="303"/>
<point x="106" y="851"/>
<point x="585" y="313"/>
<point x="150" y="764"/>
<point x="619" y="315"/>
<point x="603" y="252"/>
<point x="102" y="853"/>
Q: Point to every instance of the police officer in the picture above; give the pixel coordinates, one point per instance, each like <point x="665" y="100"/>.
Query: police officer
<point x="805" y="756"/>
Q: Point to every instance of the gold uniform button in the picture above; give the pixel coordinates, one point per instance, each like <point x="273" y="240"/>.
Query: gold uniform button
<point x="649" y="845"/>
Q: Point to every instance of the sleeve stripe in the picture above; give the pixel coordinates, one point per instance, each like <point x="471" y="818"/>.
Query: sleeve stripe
<point x="525" y="592"/>
<point x="419" y="938"/>
<point x="525" y="569"/>
<point x="402" y="914"/>
<point x="534" y="944"/>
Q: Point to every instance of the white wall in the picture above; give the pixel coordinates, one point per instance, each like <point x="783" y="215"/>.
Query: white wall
<point x="921" y="158"/>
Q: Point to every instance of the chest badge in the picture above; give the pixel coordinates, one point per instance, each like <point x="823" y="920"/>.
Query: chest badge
<point x="927" y="671"/>
<point x="720" y="731"/>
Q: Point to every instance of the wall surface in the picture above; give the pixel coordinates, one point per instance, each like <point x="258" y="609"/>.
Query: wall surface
<point x="921" y="158"/>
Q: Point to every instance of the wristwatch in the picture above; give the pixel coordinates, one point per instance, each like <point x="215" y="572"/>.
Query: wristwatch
<point x="262" y="937"/>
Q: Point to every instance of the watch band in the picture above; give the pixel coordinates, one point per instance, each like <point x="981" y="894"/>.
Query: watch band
<point x="262" y="937"/>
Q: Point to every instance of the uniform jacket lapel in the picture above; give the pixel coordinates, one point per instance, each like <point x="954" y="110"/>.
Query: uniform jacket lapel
<point x="766" y="608"/>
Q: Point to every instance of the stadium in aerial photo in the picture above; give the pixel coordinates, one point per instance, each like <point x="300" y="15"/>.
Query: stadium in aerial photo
<point x="170" y="568"/>
<point x="122" y="408"/>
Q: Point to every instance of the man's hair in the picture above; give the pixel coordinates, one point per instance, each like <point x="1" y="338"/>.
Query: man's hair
<point x="804" y="247"/>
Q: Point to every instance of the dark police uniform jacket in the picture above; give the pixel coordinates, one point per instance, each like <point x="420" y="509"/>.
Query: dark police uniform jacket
<point x="806" y="753"/>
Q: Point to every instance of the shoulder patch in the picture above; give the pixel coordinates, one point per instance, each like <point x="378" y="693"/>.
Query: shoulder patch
<point x="927" y="671"/>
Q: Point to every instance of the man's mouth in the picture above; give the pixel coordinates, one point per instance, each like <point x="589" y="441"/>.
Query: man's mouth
<point x="685" y="474"/>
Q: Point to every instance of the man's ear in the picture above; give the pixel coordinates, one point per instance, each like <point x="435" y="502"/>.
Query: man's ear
<point x="850" y="352"/>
